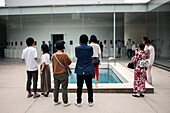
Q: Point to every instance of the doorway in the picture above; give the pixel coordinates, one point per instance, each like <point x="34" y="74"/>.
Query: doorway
<point x="55" y="38"/>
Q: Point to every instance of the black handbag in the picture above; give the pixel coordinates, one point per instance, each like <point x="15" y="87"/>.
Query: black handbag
<point x="131" y="65"/>
<point x="95" y="61"/>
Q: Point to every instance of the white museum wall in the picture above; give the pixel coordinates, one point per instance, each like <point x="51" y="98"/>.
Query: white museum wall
<point x="40" y="27"/>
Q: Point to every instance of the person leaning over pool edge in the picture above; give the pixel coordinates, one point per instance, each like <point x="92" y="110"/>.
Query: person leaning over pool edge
<point x="84" y="69"/>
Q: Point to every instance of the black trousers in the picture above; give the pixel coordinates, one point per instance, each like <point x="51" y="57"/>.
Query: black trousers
<point x="129" y="53"/>
<point x="133" y="53"/>
<point x="30" y="75"/>
<point x="80" y="81"/>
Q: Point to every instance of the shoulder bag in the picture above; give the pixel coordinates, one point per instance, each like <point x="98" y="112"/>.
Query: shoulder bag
<point x="68" y="70"/>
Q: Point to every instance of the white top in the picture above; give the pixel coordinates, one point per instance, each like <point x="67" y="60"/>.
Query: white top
<point x="96" y="50"/>
<point x="129" y="45"/>
<point x="45" y="58"/>
<point x="133" y="47"/>
<point x="146" y="48"/>
<point x="29" y="54"/>
<point x="119" y="44"/>
<point x="152" y="55"/>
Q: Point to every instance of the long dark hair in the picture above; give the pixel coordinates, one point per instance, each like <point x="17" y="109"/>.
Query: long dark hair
<point x="45" y="48"/>
<point x="93" y="38"/>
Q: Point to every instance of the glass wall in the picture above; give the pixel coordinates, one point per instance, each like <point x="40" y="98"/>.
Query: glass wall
<point x="158" y="27"/>
<point x="53" y="27"/>
<point x="14" y="29"/>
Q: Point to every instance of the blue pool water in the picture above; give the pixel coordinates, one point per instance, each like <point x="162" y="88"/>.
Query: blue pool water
<point x="103" y="77"/>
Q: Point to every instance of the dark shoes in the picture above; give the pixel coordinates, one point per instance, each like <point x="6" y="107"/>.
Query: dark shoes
<point x="142" y="95"/>
<point x="42" y="93"/>
<point x="29" y="95"/>
<point x="34" y="96"/>
<point x="45" y="94"/>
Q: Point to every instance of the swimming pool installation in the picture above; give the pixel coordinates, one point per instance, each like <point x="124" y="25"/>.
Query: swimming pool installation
<point x="114" y="78"/>
<point x="105" y="76"/>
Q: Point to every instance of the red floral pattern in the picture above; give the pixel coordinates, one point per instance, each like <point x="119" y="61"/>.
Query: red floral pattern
<point x="139" y="74"/>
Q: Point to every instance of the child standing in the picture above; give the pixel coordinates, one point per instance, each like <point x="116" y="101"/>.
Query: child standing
<point x="29" y="55"/>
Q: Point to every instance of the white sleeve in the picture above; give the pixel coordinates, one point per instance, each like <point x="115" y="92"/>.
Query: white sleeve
<point x="43" y="59"/>
<point x="35" y="54"/>
<point x="23" y="55"/>
<point x="99" y="53"/>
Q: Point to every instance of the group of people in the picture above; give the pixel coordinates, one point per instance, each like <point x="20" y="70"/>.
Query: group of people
<point x="144" y="54"/>
<point x="87" y="68"/>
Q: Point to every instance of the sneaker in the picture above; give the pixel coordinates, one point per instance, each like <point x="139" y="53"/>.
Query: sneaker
<point x="29" y="95"/>
<point x="136" y="95"/>
<point x="67" y="104"/>
<point x="142" y="94"/>
<point x="36" y="95"/>
<point x="78" y="104"/>
<point x="42" y="93"/>
<point x="91" y="104"/>
<point x="57" y="103"/>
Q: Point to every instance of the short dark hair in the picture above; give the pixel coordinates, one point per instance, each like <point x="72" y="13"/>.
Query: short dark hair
<point x="60" y="45"/>
<point x="141" y="46"/>
<point x="147" y="42"/>
<point x="129" y="39"/>
<point x="145" y="38"/>
<point x="43" y="42"/>
<point x="93" y="38"/>
<point x="29" y="41"/>
<point x="133" y="42"/>
<point x="45" y="48"/>
<point x="83" y="39"/>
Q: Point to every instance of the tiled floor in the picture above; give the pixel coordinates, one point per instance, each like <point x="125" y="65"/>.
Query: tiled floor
<point x="13" y="96"/>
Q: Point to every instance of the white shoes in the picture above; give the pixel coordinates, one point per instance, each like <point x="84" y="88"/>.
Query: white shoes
<point x="67" y="104"/>
<point x="91" y="104"/>
<point x="78" y="104"/>
<point x="136" y="95"/>
<point x="57" y="103"/>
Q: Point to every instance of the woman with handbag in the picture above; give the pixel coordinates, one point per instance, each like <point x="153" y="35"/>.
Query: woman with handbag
<point x="45" y="71"/>
<point x="60" y="64"/>
<point x="139" y="61"/>
<point x="96" y="58"/>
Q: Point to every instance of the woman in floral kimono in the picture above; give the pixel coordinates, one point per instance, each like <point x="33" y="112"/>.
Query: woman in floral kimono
<point x="139" y="61"/>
